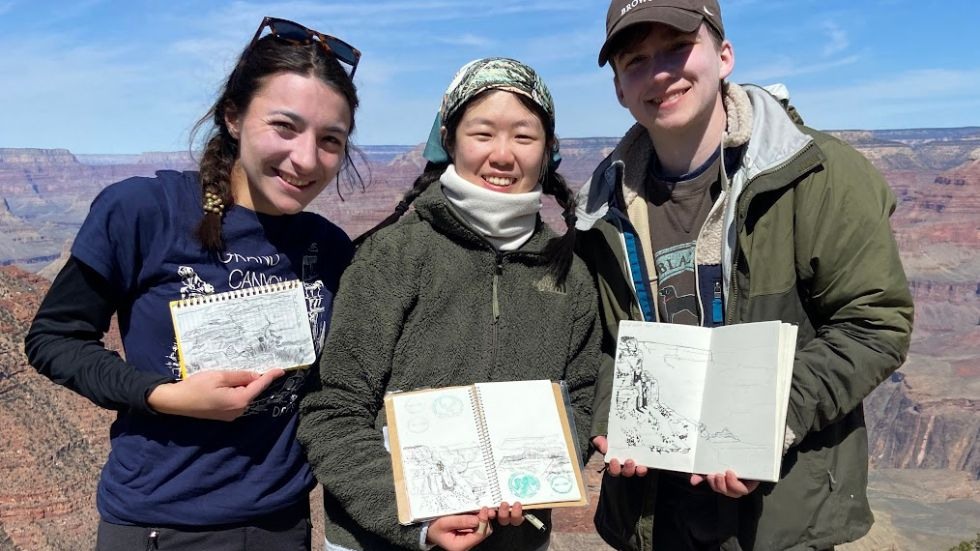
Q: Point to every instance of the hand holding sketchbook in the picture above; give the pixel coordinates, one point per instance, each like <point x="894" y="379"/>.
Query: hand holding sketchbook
<point x="457" y="449"/>
<point x="702" y="400"/>
<point x="254" y="329"/>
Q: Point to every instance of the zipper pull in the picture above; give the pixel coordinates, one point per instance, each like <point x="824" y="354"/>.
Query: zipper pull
<point x="716" y="306"/>
<point x="496" y="278"/>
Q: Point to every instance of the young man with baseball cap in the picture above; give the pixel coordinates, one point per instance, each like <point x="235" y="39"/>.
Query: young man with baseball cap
<point x="719" y="207"/>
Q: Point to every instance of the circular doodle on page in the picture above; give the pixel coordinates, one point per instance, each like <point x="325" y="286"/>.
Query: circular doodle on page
<point x="447" y="406"/>
<point x="418" y="425"/>
<point x="560" y="483"/>
<point x="523" y="485"/>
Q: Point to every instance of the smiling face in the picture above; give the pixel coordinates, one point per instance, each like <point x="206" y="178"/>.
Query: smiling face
<point x="500" y="144"/>
<point x="670" y="81"/>
<point x="292" y="142"/>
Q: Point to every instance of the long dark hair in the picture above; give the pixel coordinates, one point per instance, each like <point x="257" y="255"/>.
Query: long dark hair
<point x="266" y="56"/>
<point x="560" y="251"/>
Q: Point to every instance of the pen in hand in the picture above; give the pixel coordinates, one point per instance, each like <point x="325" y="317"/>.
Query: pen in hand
<point x="535" y="522"/>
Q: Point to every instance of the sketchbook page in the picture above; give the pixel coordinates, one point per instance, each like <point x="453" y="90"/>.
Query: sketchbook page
<point x="438" y="442"/>
<point x="788" y="344"/>
<point x="254" y="329"/>
<point x="658" y="383"/>
<point x="566" y="415"/>
<point x="528" y="442"/>
<point x="739" y="419"/>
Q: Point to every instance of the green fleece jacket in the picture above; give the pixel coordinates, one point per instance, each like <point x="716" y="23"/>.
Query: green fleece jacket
<point x="805" y="238"/>
<point x="429" y="303"/>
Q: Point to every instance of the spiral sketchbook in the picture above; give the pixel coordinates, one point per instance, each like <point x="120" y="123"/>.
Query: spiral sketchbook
<point x="457" y="449"/>
<point x="254" y="329"/>
<point x="702" y="400"/>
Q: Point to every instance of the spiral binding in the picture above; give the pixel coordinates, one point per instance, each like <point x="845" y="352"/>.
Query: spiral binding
<point x="238" y="293"/>
<point x="488" y="462"/>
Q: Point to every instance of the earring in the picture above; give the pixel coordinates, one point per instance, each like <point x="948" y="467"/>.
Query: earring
<point x="213" y="203"/>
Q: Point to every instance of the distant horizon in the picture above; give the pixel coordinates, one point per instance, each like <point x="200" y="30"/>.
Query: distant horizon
<point x="360" y="145"/>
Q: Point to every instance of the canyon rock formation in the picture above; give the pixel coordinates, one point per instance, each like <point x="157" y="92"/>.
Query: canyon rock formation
<point x="923" y="420"/>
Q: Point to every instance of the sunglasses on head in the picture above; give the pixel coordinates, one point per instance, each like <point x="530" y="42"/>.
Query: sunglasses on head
<point x="294" y="33"/>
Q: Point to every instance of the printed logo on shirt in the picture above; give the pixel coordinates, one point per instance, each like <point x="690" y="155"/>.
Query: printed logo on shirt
<point x="674" y="261"/>
<point x="672" y="305"/>
<point x="675" y="269"/>
<point x="191" y="284"/>
<point x="547" y="284"/>
<point x="310" y="261"/>
<point x="314" y="294"/>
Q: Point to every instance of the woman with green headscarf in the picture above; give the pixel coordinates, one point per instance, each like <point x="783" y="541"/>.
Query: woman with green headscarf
<point x="469" y="287"/>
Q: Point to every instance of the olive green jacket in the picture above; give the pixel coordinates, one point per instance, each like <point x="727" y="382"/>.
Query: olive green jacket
<point x="429" y="303"/>
<point x="805" y="239"/>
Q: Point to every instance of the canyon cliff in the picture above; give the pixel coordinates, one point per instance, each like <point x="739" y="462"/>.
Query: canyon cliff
<point x="923" y="420"/>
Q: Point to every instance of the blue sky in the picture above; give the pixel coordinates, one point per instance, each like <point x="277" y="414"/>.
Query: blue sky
<point x="126" y="76"/>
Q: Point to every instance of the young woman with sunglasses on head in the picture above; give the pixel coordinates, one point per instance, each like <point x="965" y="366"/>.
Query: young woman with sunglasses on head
<point x="210" y="461"/>
<point x="470" y="287"/>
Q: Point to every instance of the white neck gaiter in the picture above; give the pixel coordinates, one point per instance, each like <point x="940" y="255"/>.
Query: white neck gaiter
<point x="505" y="219"/>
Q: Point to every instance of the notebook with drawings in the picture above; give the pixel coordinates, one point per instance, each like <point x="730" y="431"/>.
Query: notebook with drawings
<point x="457" y="449"/>
<point x="254" y="329"/>
<point x="702" y="400"/>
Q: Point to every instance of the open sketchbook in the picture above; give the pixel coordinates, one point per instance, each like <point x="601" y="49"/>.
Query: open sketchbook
<point x="254" y="329"/>
<point x="457" y="449"/>
<point x="702" y="400"/>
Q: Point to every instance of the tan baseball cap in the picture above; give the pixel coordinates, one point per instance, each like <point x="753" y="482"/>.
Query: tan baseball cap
<point x="683" y="15"/>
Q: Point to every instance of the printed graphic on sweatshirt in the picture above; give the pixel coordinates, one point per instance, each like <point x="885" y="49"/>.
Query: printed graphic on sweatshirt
<point x="314" y="295"/>
<point x="191" y="285"/>
<point x="674" y="266"/>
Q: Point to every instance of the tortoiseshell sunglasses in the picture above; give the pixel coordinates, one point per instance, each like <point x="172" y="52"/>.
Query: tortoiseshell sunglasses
<point x="293" y="32"/>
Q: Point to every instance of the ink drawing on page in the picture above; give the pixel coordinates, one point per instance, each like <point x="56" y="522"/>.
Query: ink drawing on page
<point x="702" y="400"/>
<point x="255" y="329"/>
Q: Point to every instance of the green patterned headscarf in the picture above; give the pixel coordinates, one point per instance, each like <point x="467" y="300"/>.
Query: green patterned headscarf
<point x="490" y="73"/>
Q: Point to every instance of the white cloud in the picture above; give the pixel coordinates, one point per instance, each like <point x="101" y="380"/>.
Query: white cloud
<point x="469" y="40"/>
<point x="71" y="10"/>
<point x="94" y="97"/>
<point x="836" y="39"/>
<point x="360" y="17"/>
<point x="914" y="98"/>
<point x="784" y="67"/>
<point x="918" y="84"/>
<point x="576" y="45"/>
